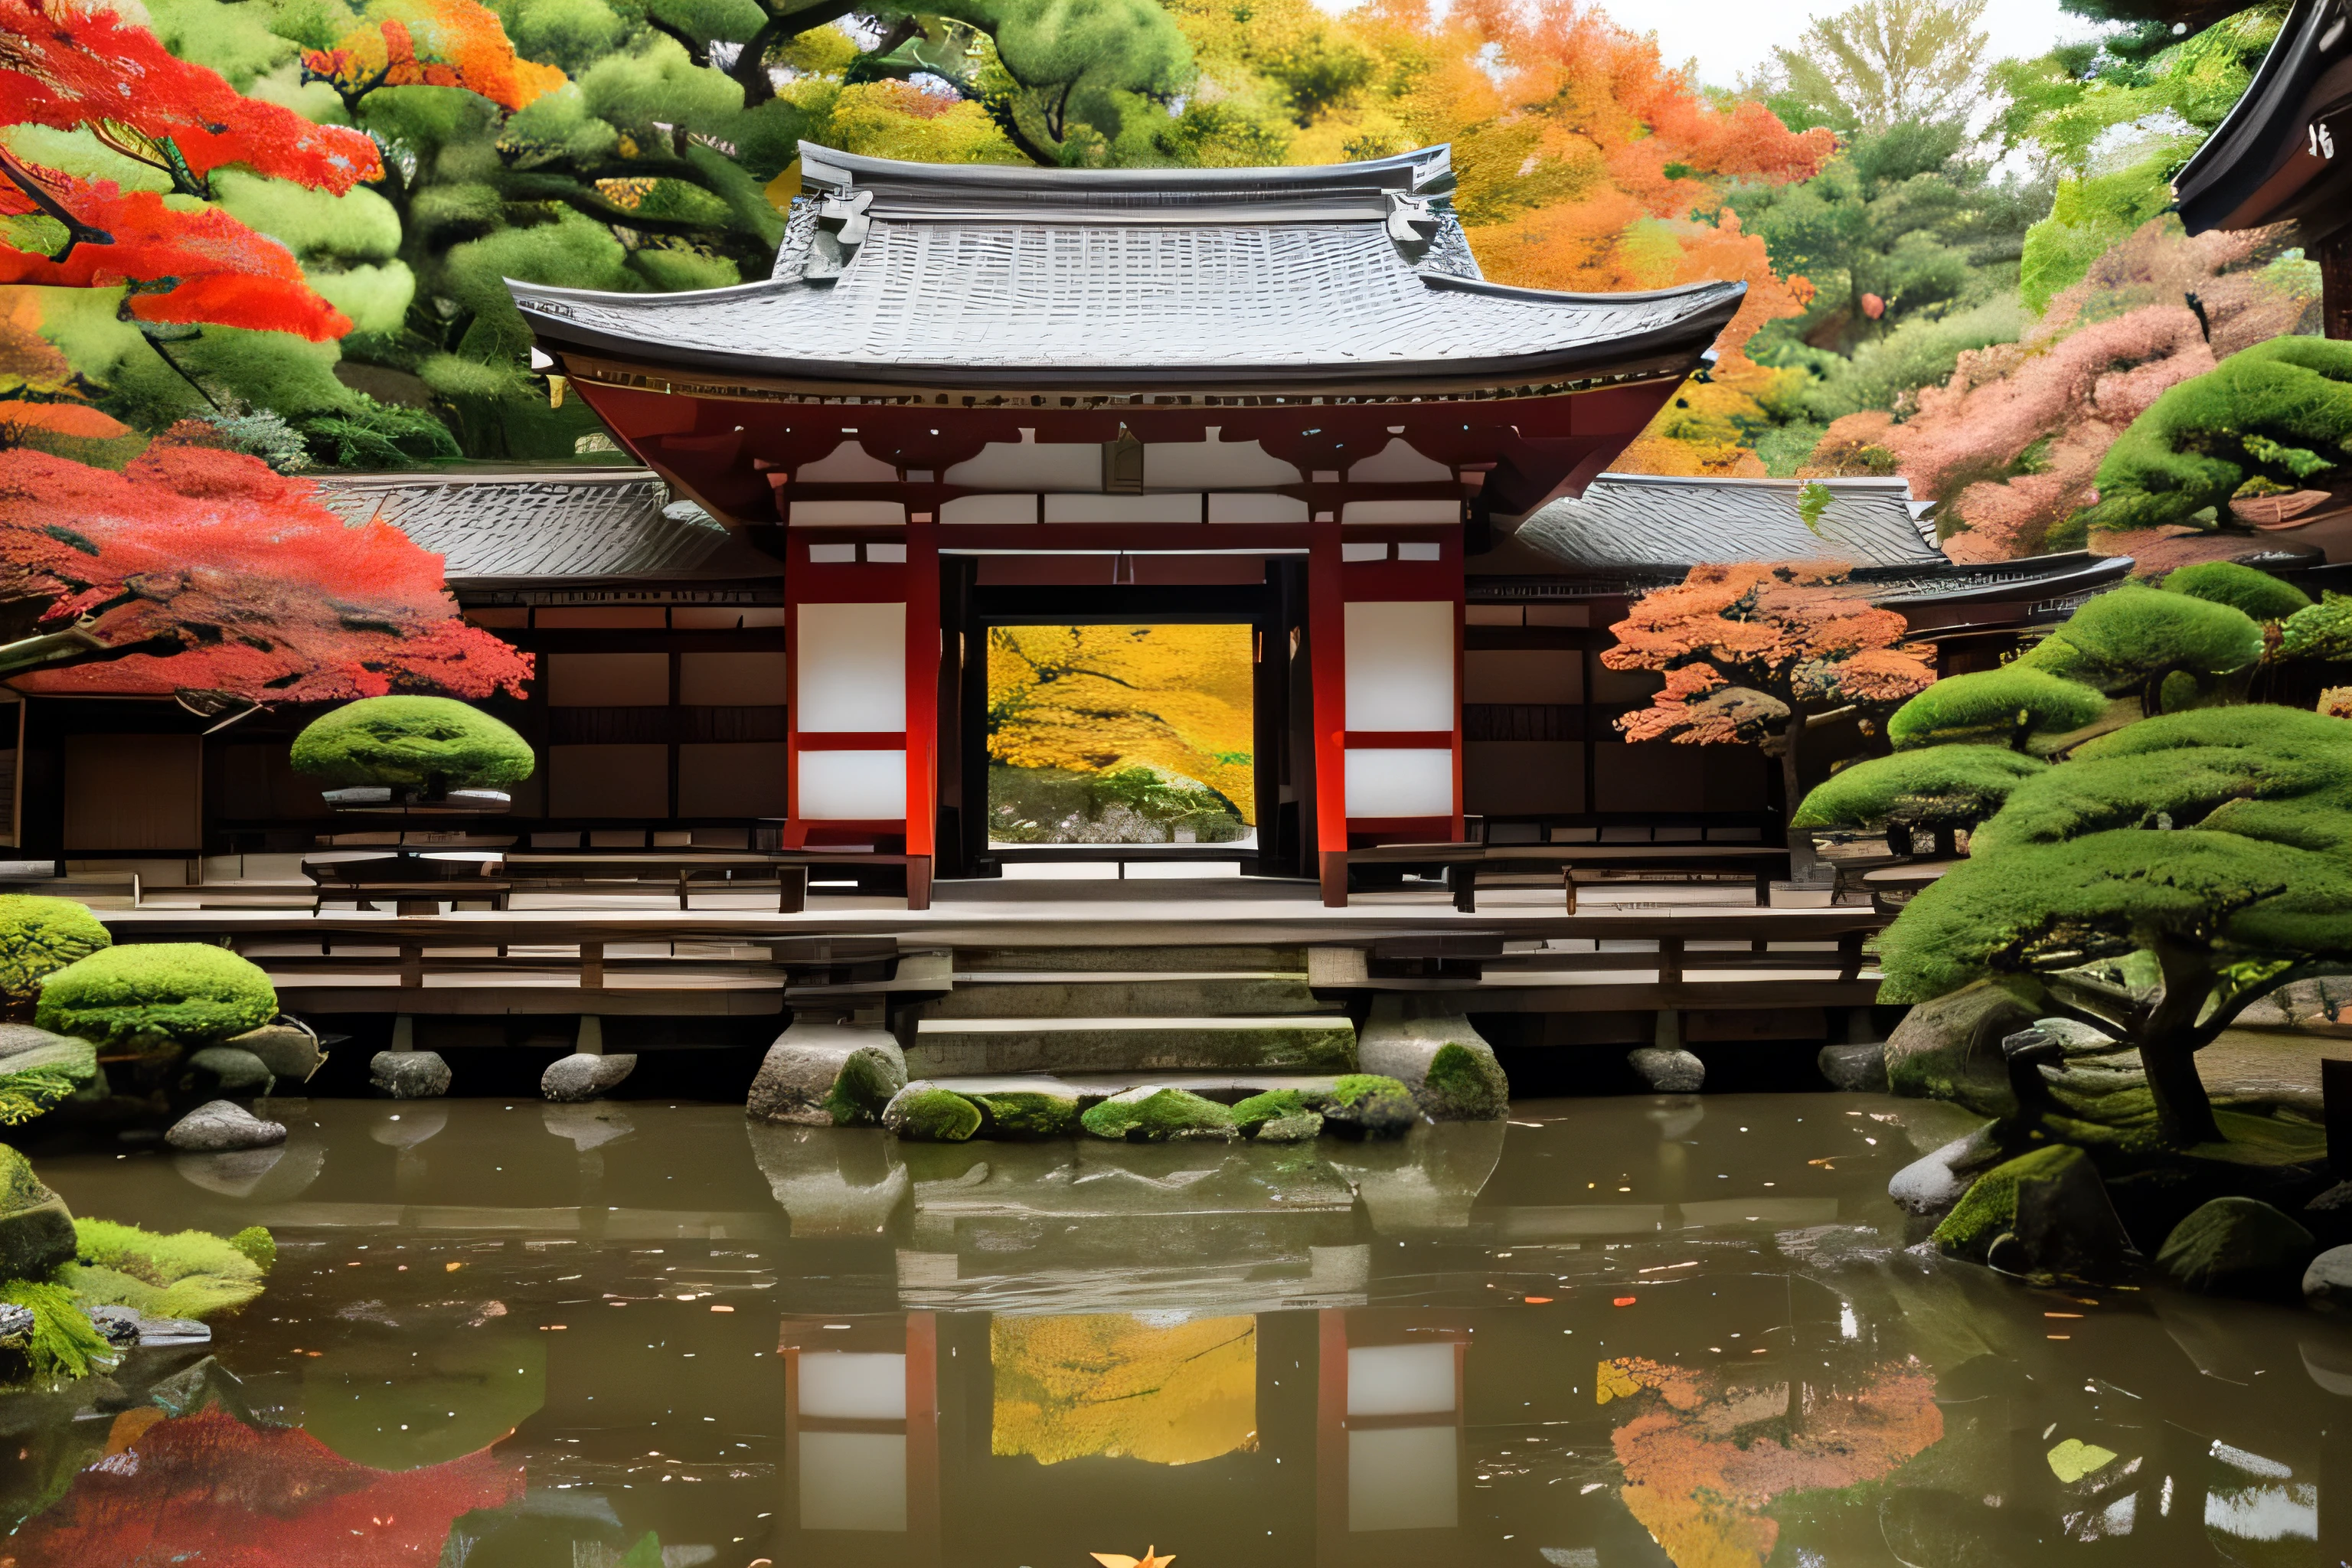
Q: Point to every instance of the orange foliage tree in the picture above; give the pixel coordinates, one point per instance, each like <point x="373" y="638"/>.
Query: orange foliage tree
<point x="203" y="576"/>
<point x="436" y="43"/>
<point x="1761" y="653"/>
<point x="1587" y="163"/>
<point x="69" y="66"/>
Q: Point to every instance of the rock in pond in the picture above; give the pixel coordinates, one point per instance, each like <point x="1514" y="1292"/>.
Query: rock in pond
<point x="15" y="1326"/>
<point x="2044" y="1213"/>
<point x="1950" y="1049"/>
<point x="227" y="1070"/>
<point x="126" y="1326"/>
<point x="409" y="1075"/>
<point x="2237" y="1247"/>
<point x="827" y="1074"/>
<point x="1856" y="1069"/>
<point x="1298" y="1127"/>
<point x="1150" y="1113"/>
<point x="289" y="1050"/>
<point x="581" y="1076"/>
<point x="1368" y="1105"/>
<point x="220" y="1126"/>
<point x="923" y="1112"/>
<point x="1428" y="1045"/>
<point x="1935" y="1181"/>
<point x="36" y="1231"/>
<point x="2328" y="1281"/>
<point x="1012" y="1115"/>
<point x="1667" y="1069"/>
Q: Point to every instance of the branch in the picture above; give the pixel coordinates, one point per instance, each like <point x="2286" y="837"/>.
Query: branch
<point x="77" y="231"/>
<point x="694" y="51"/>
<point x="51" y="647"/>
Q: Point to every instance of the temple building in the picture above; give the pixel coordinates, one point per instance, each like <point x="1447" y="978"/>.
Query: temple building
<point x="974" y="402"/>
<point x="2274" y="158"/>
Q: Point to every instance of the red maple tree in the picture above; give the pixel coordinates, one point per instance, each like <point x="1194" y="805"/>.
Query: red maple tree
<point x="202" y="574"/>
<point x="1761" y="653"/>
<point x="448" y="43"/>
<point x="71" y="66"/>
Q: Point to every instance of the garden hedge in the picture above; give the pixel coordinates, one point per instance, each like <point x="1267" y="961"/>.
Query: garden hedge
<point x="412" y="742"/>
<point x="184" y="992"/>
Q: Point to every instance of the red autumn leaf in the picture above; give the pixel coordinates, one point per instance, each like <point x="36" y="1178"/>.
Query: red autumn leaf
<point x="449" y="43"/>
<point x="210" y="266"/>
<point x="208" y="1487"/>
<point x="66" y="65"/>
<point x="229" y="578"/>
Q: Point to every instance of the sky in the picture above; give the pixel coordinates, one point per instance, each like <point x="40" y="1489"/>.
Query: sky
<point x="1730" y="37"/>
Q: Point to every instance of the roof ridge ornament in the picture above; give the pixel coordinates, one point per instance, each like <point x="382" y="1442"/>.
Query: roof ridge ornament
<point x="842" y="224"/>
<point x="1413" y="224"/>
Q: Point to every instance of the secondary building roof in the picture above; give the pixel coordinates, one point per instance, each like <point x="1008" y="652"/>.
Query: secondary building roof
<point x="1351" y="278"/>
<point x="2275" y="157"/>
<point x="506" y="529"/>
<point x="1641" y="521"/>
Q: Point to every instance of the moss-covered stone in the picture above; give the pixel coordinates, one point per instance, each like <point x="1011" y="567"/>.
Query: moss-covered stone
<point x="2237" y="1247"/>
<point x="2045" y="1213"/>
<point x="1989" y="1205"/>
<point x="65" y="1343"/>
<point x="1154" y="1115"/>
<point x="863" y="1089"/>
<point x="189" y="1273"/>
<point x="1269" y="1105"/>
<point x="925" y="1113"/>
<point x="36" y="1231"/>
<point x="189" y="992"/>
<point x="1298" y="1127"/>
<point x="38" y="937"/>
<point x="1950" y="1049"/>
<point x="428" y="744"/>
<point x="258" y="1245"/>
<point x="1026" y="1115"/>
<point x="40" y="1070"/>
<point x="1368" y="1105"/>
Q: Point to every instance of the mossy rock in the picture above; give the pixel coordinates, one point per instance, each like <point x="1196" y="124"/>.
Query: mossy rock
<point x="40" y="1070"/>
<point x="1269" y="1105"/>
<point x="36" y="1231"/>
<point x="1154" y="1115"/>
<point x="925" y="1113"/>
<point x="864" y="1090"/>
<point x="189" y="992"/>
<point x="1368" y="1105"/>
<point x="189" y="1273"/>
<point x="39" y="936"/>
<point x="1024" y="1115"/>
<point x="65" y="1343"/>
<point x="1950" y="1049"/>
<point x="2045" y="1214"/>
<point x="2237" y="1247"/>
<point x="1300" y="1127"/>
<point x="426" y="744"/>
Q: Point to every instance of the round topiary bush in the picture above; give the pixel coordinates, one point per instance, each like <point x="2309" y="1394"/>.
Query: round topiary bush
<point x="429" y="744"/>
<point x="2127" y="637"/>
<point x="182" y="991"/>
<point x="2006" y="707"/>
<point x="37" y="937"/>
<point x="2258" y="593"/>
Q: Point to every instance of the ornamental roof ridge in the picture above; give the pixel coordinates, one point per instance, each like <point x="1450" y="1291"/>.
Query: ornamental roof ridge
<point x="2264" y="164"/>
<point x="1300" y="193"/>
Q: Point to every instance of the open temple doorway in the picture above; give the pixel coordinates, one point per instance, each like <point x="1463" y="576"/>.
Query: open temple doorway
<point x="1095" y="719"/>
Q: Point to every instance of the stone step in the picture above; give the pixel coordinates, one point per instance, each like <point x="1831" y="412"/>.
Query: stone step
<point x="1126" y="994"/>
<point x="1301" y="1042"/>
<point x="1217" y="960"/>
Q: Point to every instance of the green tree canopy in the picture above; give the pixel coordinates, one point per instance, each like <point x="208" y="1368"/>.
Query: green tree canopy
<point x="2256" y="593"/>
<point x="2013" y="706"/>
<point x="1937" y="788"/>
<point x="2172" y="648"/>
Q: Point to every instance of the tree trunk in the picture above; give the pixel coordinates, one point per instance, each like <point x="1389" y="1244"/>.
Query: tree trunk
<point x="1804" y="866"/>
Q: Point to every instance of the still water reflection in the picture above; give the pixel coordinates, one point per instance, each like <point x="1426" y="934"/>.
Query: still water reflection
<point x="1611" y="1333"/>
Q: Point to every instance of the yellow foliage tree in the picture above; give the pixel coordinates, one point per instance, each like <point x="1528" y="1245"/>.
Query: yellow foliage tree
<point x="1096" y="699"/>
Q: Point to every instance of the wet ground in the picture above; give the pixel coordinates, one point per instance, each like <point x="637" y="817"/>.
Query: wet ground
<point x="1611" y="1333"/>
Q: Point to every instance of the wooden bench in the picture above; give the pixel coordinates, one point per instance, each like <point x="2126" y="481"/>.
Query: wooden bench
<point x="415" y="884"/>
<point x="786" y="870"/>
<point x="1464" y="863"/>
<point x="1122" y="855"/>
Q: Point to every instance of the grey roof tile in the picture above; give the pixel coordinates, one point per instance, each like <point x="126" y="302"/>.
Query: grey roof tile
<point x="550" y="526"/>
<point x="974" y="276"/>
<point x="1640" y="520"/>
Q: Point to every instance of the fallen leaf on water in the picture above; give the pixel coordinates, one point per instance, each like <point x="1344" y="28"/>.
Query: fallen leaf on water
<point x="1150" y="1559"/>
<point x="2072" y="1459"/>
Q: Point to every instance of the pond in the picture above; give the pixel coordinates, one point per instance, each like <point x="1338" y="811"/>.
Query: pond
<point x="1610" y="1331"/>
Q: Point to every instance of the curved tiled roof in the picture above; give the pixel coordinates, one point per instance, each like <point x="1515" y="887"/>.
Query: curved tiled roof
<point x="536" y="527"/>
<point x="1644" y="520"/>
<point x="1254" y="280"/>
<point x="2265" y="163"/>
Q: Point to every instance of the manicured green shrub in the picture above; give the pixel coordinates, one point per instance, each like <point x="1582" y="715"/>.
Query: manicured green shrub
<point x="189" y="1273"/>
<point x="184" y="992"/>
<point x="2280" y="410"/>
<point x="1935" y="788"/>
<point x="38" y="937"/>
<point x="2258" y="593"/>
<point x="2324" y="631"/>
<point x="2126" y="637"/>
<point x="2006" y="707"/>
<point x="427" y="743"/>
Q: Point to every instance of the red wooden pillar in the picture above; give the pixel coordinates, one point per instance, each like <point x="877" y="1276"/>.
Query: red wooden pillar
<point x="1327" y="653"/>
<point x="926" y="644"/>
